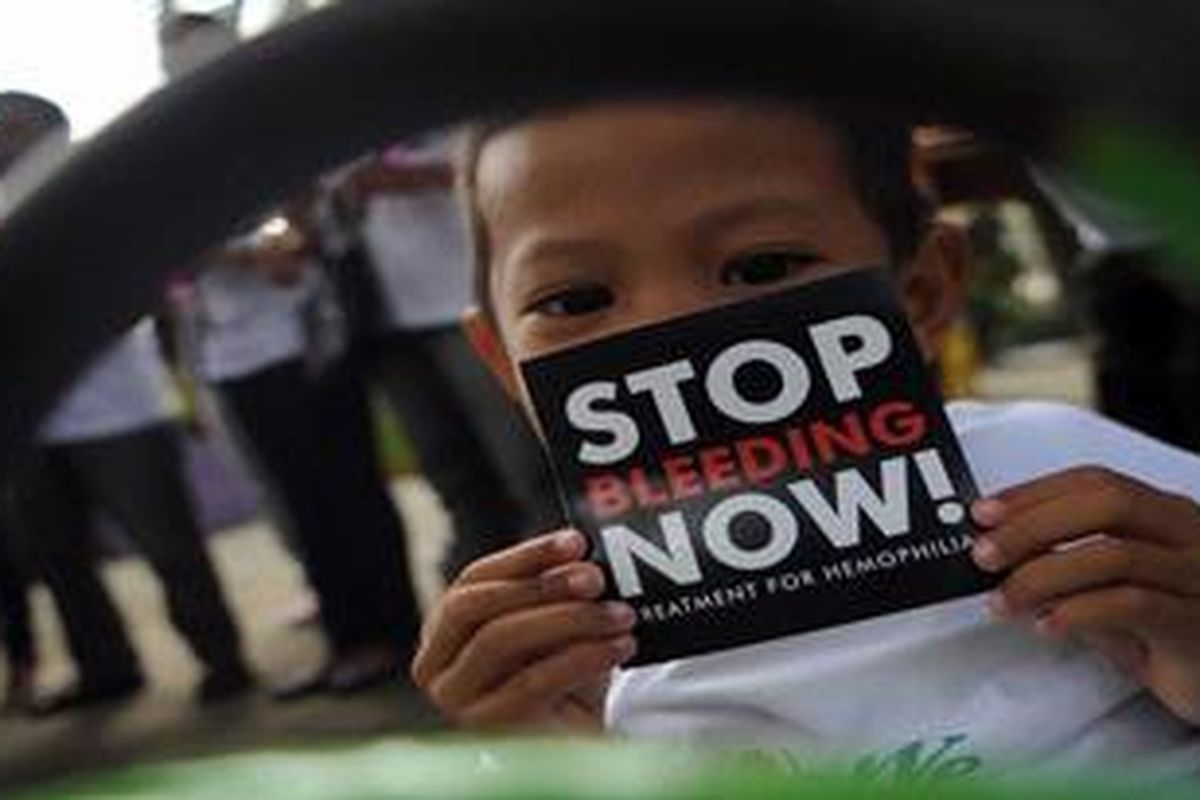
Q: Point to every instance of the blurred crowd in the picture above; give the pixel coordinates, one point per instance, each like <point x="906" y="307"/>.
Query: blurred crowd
<point x="284" y="340"/>
<point x="276" y="341"/>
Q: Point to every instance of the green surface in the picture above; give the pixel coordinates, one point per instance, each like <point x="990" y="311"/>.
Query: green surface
<point x="410" y="769"/>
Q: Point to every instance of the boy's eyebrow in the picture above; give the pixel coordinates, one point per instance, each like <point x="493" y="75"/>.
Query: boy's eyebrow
<point x="552" y="248"/>
<point x="728" y="215"/>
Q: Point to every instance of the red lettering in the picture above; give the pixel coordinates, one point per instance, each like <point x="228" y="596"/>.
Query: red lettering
<point x="827" y="438"/>
<point x="762" y="459"/>
<point x="897" y="424"/>
<point x="682" y="478"/>
<point x="645" y="491"/>
<point x="719" y="470"/>
<point x="799" y="448"/>
<point x="607" y="496"/>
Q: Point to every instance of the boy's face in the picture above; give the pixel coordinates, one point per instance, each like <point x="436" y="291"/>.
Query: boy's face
<point x="611" y="218"/>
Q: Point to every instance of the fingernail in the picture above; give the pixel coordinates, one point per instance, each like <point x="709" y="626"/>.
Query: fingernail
<point x="585" y="583"/>
<point x="988" y="512"/>
<point x="998" y="606"/>
<point x="986" y="554"/>
<point x="1045" y="625"/>
<point x="624" y="648"/>
<point x="568" y="542"/>
<point x="620" y="613"/>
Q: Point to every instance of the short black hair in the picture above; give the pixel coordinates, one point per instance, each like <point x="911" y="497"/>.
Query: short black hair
<point x="878" y="150"/>
<point x="879" y="154"/>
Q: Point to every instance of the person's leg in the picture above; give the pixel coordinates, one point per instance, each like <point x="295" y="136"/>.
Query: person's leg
<point x="238" y="445"/>
<point x="387" y="608"/>
<point x="314" y="436"/>
<point x="452" y="455"/>
<point x="15" y="614"/>
<point x="273" y="409"/>
<point x="138" y="477"/>
<point x="16" y="628"/>
<point x="51" y="541"/>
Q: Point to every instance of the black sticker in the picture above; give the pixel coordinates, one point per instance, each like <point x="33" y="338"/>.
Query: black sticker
<point x="761" y="469"/>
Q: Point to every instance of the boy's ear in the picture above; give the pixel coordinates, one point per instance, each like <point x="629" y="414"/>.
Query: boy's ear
<point x="934" y="286"/>
<point x="485" y="339"/>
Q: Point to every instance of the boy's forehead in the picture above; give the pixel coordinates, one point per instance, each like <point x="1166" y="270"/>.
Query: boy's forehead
<point x="676" y="141"/>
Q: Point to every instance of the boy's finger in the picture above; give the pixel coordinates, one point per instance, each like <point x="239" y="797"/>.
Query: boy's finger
<point x="505" y="646"/>
<point x="540" y="686"/>
<point x="465" y="608"/>
<point x="1115" y="507"/>
<point x="1070" y="483"/>
<point x="1092" y="565"/>
<point x="1026" y="495"/>
<point x="459" y="614"/>
<point x="1119" y="611"/>
<point x="527" y="559"/>
<point x="1166" y="627"/>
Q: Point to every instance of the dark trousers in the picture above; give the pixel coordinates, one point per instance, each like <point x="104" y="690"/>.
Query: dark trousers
<point x="473" y="444"/>
<point x="16" y="620"/>
<point x="138" y="479"/>
<point x="1147" y="373"/>
<point x="315" y="438"/>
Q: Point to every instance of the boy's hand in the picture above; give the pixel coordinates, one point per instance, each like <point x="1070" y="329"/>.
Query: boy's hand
<point x="519" y="639"/>
<point x="1108" y="560"/>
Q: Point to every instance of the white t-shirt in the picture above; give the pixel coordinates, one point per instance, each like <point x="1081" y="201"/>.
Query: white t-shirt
<point x="125" y="389"/>
<point x="418" y="244"/>
<point x="942" y="689"/>
<point x="245" y="323"/>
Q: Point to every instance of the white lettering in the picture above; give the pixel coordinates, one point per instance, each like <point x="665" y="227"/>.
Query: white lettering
<point x="842" y="364"/>
<point x="795" y="381"/>
<point x="855" y="497"/>
<point x="781" y="519"/>
<point x="663" y="384"/>
<point x="585" y="417"/>
<point x="677" y="562"/>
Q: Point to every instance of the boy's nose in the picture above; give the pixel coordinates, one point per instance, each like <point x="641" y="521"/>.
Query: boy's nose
<point x="667" y="290"/>
<point x="666" y="293"/>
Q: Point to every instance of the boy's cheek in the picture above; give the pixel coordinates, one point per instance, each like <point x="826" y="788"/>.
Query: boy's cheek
<point x="928" y="317"/>
<point x="930" y="344"/>
<point x="490" y="348"/>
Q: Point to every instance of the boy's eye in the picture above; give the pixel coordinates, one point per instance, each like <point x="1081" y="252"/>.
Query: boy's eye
<point x="756" y="269"/>
<point x="573" y="301"/>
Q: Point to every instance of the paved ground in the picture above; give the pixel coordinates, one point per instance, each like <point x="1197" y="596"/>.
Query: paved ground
<point x="263" y="584"/>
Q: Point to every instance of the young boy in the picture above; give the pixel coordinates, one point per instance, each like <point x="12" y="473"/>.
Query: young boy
<point x="597" y="220"/>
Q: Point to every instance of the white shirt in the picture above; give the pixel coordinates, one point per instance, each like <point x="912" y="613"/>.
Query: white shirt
<point x="418" y="244"/>
<point x="943" y="687"/>
<point x="124" y="390"/>
<point x="245" y="323"/>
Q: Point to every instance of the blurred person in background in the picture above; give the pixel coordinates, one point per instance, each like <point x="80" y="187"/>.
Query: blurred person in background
<point x="472" y="444"/>
<point x="30" y="127"/>
<point x="109" y="444"/>
<point x="269" y="340"/>
<point x="407" y="291"/>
